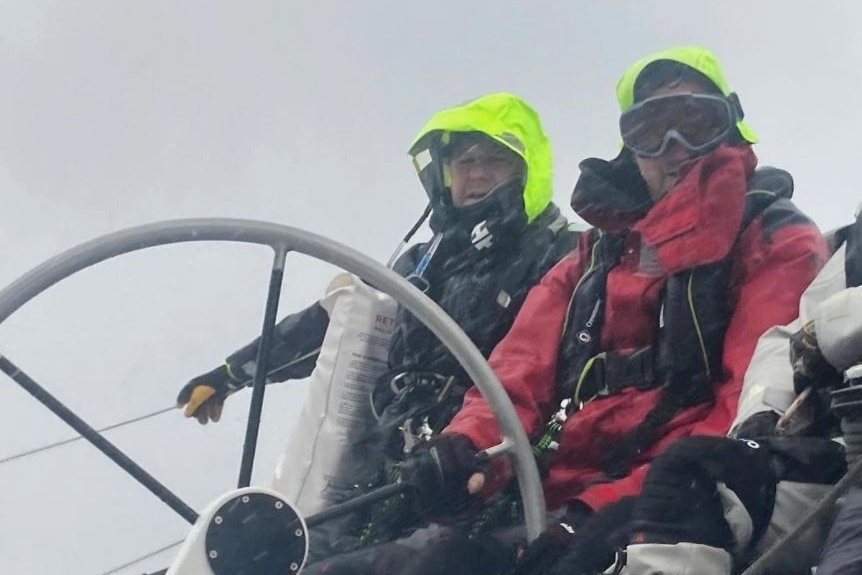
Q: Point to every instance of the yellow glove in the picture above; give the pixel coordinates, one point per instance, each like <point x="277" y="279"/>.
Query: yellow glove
<point x="203" y="397"/>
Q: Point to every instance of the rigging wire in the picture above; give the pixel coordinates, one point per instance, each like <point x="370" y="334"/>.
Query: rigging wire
<point x="142" y="417"/>
<point x="76" y="438"/>
<point x="141" y="558"/>
<point x="62" y="442"/>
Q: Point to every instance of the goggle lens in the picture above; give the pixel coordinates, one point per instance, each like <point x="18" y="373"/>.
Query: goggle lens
<point x="697" y="121"/>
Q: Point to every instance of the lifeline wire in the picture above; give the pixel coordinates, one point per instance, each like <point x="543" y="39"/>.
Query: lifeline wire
<point x="136" y="419"/>
<point x="76" y="438"/>
<point x="141" y="558"/>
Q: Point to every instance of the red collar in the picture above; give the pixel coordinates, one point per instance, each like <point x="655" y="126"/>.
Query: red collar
<point x="698" y="221"/>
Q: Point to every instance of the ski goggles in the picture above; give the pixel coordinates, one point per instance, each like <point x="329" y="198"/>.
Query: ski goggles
<point x="699" y="122"/>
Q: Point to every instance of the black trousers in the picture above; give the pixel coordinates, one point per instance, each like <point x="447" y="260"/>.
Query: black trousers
<point x="432" y="550"/>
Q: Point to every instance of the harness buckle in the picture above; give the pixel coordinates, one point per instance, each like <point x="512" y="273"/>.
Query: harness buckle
<point x="599" y="375"/>
<point x="414" y="379"/>
<point x="612" y="372"/>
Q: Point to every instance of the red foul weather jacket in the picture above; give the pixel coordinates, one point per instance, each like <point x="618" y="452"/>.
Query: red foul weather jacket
<point x="772" y="259"/>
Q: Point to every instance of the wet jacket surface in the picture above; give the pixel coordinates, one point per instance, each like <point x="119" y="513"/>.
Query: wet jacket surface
<point x="464" y="282"/>
<point x="468" y="284"/>
<point x="771" y="261"/>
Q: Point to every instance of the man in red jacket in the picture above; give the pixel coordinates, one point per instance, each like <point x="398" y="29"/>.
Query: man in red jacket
<point x="642" y="335"/>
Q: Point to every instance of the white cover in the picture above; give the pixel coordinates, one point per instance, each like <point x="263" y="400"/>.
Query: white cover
<point x="337" y="411"/>
<point x="678" y="559"/>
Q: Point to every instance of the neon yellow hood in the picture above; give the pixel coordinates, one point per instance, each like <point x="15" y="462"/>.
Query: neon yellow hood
<point x="694" y="57"/>
<point x="506" y="119"/>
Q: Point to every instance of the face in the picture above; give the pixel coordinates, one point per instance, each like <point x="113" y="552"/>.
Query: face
<point x="663" y="172"/>
<point x="478" y="168"/>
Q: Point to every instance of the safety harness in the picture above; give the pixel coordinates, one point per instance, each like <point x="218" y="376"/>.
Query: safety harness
<point x="684" y="362"/>
<point x="412" y="404"/>
<point x="419" y="394"/>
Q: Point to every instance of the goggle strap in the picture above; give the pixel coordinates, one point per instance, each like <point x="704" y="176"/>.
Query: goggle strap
<point x="735" y="106"/>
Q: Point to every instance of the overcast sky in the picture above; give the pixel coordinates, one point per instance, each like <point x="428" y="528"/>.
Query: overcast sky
<point x="114" y="114"/>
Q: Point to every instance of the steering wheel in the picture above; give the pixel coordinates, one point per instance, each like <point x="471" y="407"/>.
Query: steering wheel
<point x="282" y="239"/>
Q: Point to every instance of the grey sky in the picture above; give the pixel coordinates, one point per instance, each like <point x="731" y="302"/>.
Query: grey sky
<point x="114" y="114"/>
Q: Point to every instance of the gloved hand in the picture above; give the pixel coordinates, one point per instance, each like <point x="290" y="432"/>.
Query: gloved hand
<point x="810" y="368"/>
<point x="439" y="470"/>
<point x="203" y="396"/>
<point x="583" y="542"/>
<point x="679" y="500"/>
<point x="546" y="549"/>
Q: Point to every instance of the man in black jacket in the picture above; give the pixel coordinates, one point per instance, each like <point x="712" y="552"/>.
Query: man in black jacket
<point x="486" y="166"/>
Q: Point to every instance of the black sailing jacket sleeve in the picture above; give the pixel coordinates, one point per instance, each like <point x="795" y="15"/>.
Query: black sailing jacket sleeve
<point x="297" y="338"/>
<point x="296" y="343"/>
